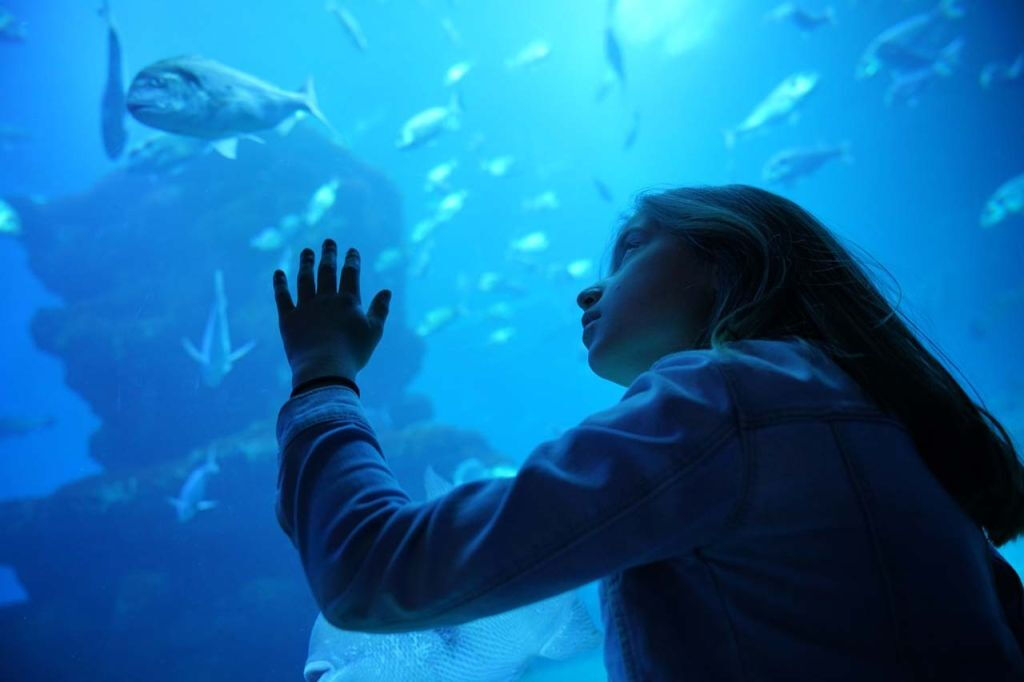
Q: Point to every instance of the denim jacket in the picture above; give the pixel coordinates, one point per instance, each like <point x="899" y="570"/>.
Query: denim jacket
<point x="749" y="512"/>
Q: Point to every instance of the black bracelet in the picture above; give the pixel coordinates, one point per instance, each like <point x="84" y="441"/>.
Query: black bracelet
<point x="324" y="381"/>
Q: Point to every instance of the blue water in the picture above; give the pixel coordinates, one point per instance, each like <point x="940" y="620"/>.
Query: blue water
<point x="911" y="196"/>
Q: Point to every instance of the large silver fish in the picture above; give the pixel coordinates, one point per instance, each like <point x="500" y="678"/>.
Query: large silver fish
<point x="911" y="44"/>
<point x="779" y="104"/>
<point x="195" y="96"/>
<point x="428" y="123"/>
<point x="791" y="164"/>
<point x="496" y="648"/>
<point x="112" y="112"/>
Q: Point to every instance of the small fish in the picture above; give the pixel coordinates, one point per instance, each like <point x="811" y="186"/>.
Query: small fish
<point x="472" y="469"/>
<point x="322" y="201"/>
<point x="545" y="201"/>
<point x="456" y="72"/>
<point x="578" y="269"/>
<point x="790" y="165"/>
<point x="437" y="319"/>
<point x="428" y="123"/>
<point x="499" y="166"/>
<point x="531" y="54"/>
<point x="422" y="229"/>
<point x="496" y="648"/>
<point x="10" y="223"/>
<point x="1001" y="73"/>
<point x="270" y="239"/>
<point x="438" y="176"/>
<point x="782" y="102"/>
<point x="189" y="501"/>
<point x="603" y="191"/>
<point x="112" y="106"/>
<point x="200" y="97"/>
<point x="912" y="43"/>
<point x="449" y="205"/>
<point x="12" y="427"/>
<point x="453" y="33"/>
<point x="500" y="336"/>
<point x="906" y="87"/>
<point x="494" y="282"/>
<point x="349" y="23"/>
<point x="613" y="54"/>
<point x="216" y="357"/>
<point x="11" y="30"/>
<point x="803" y="19"/>
<point x="534" y="242"/>
<point x="388" y="259"/>
<point x="1006" y="201"/>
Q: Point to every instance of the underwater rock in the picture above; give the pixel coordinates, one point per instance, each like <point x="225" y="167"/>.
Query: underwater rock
<point x="122" y="590"/>
<point x="133" y="261"/>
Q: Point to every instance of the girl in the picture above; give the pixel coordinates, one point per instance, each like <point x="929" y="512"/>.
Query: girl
<point x="791" y="487"/>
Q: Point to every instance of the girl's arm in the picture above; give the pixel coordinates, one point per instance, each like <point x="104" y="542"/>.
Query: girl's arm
<point x="658" y="474"/>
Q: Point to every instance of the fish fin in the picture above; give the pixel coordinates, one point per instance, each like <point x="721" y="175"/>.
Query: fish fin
<point x="286" y="126"/>
<point x="949" y="57"/>
<point x="309" y="100"/>
<point x="434" y="484"/>
<point x="228" y="147"/>
<point x="204" y="505"/>
<point x="239" y="353"/>
<point x="252" y="138"/>
<point x="174" y="502"/>
<point x="730" y="138"/>
<point x="830" y="15"/>
<point x="578" y="633"/>
<point x="192" y="351"/>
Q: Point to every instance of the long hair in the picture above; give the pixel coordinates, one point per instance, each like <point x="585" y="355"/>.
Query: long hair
<point x="783" y="274"/>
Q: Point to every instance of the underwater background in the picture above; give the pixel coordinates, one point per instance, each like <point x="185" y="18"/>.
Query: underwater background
<point x="557" y="112"/>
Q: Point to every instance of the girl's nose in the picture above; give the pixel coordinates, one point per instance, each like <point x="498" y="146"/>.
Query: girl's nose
<point x="588" y="297"/>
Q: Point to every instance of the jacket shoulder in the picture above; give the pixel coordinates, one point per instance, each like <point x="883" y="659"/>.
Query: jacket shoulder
<point x="772" y="375"/>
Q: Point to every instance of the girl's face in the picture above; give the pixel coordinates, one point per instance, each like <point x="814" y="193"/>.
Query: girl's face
<point x="656" y="300"/>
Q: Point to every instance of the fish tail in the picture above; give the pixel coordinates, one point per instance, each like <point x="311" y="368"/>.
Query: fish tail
<point x="730" y="138"/>
<point x="310" y="104"/>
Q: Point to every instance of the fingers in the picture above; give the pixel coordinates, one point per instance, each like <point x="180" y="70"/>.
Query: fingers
<point x="350" y="275"/>
<point x="306" y="287"/>
<point x="327" y="273"/>
<point x="281" y="294"/>
<point x="378" y="311"/>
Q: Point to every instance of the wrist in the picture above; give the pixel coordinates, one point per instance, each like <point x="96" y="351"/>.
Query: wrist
<point x="309" y="372"/>
<point x="321" y="382"/>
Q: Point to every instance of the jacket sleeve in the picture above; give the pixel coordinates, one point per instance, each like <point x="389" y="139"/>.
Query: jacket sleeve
<point x="656" y="475"/>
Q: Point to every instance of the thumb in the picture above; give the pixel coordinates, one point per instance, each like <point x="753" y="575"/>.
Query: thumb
<point x="378" y="311"/>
